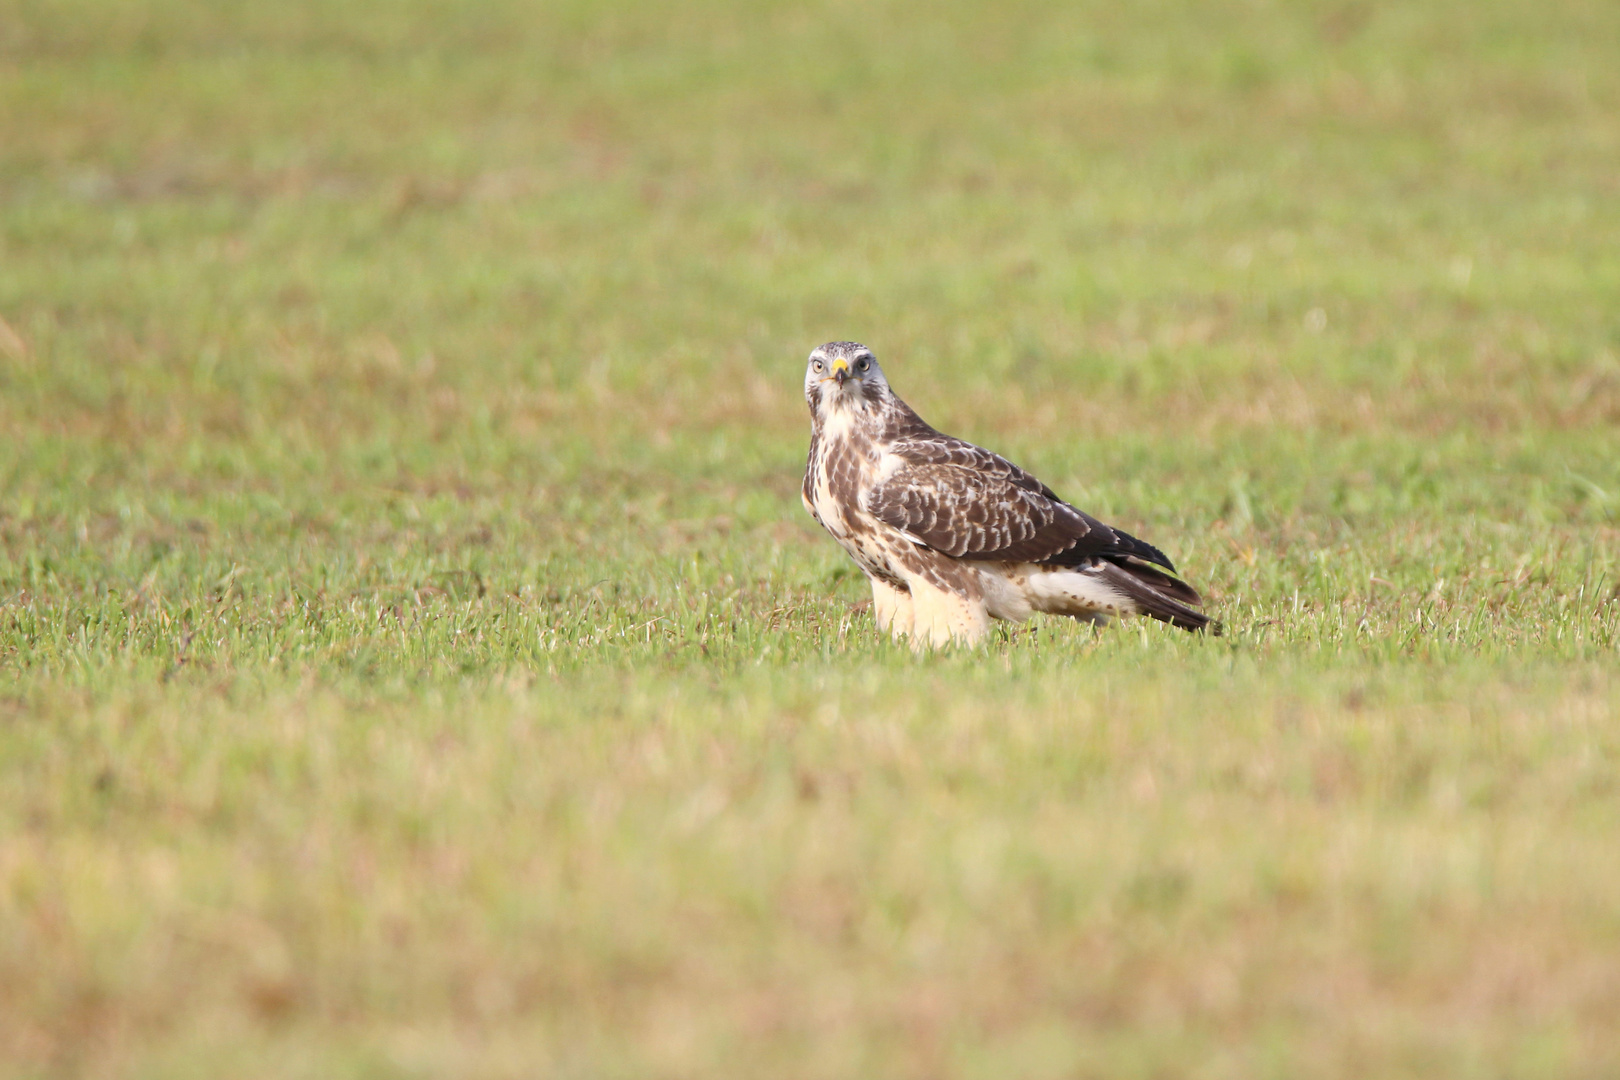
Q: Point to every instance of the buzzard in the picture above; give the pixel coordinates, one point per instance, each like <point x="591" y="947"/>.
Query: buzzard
<point x="951" y="535"/>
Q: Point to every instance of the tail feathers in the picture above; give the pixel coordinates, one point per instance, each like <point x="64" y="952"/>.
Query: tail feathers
<point x="1160" y="581"/>
<point x="1156" y="594"/>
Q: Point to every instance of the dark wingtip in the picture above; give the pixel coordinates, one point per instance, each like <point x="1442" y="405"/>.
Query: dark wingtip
<point x="1137" y="548"/>
<point x="1154" y="555"/>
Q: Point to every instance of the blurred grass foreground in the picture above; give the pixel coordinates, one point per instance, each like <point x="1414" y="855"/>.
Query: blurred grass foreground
<point x="414" y="660"/>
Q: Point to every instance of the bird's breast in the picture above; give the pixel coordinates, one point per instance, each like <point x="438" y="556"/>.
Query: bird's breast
<point x="843" y="469"/>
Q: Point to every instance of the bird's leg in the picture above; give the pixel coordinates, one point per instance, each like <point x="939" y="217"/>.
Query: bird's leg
<point x="946" y="612"/>
<point x="891" y="607"/>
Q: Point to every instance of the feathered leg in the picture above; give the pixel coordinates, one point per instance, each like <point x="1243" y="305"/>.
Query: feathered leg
<point x="947" y="605"/>
<point x="891" y="607"/>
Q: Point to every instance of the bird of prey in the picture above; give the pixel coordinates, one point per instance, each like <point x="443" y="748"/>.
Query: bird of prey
<point x="952" y="535"/>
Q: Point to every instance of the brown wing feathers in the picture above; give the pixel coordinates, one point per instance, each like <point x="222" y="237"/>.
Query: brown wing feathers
<point x="966" y="502"/>
<point x="968" y="514"/>
<point x="969" y="503"/>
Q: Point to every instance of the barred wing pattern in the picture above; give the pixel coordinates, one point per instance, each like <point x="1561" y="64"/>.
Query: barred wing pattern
<point x="969" y="503"/>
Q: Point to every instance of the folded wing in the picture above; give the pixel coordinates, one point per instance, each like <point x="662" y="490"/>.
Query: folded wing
<point x="964" y="501"/>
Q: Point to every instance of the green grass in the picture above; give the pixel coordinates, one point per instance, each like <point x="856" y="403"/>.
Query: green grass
<point x="414" y="659"/>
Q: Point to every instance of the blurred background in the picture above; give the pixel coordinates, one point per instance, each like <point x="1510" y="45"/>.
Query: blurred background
<point x="304" y="241"/>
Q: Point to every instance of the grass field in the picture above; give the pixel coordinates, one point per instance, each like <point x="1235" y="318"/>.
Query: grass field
<point x="415" y="661"/>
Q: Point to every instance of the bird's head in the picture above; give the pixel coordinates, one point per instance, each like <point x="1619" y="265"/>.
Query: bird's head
<point x="843" y="375"/>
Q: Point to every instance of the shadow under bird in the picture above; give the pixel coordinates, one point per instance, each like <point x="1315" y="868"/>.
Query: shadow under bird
<point x="951" y="535"/>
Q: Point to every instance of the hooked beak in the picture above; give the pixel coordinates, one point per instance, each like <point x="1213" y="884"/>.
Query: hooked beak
<point x="840" y="370"/>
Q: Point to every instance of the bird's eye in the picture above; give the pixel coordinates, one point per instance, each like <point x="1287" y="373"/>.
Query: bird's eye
<point x="862" y="364"/>
<point x="815" y="365"/>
